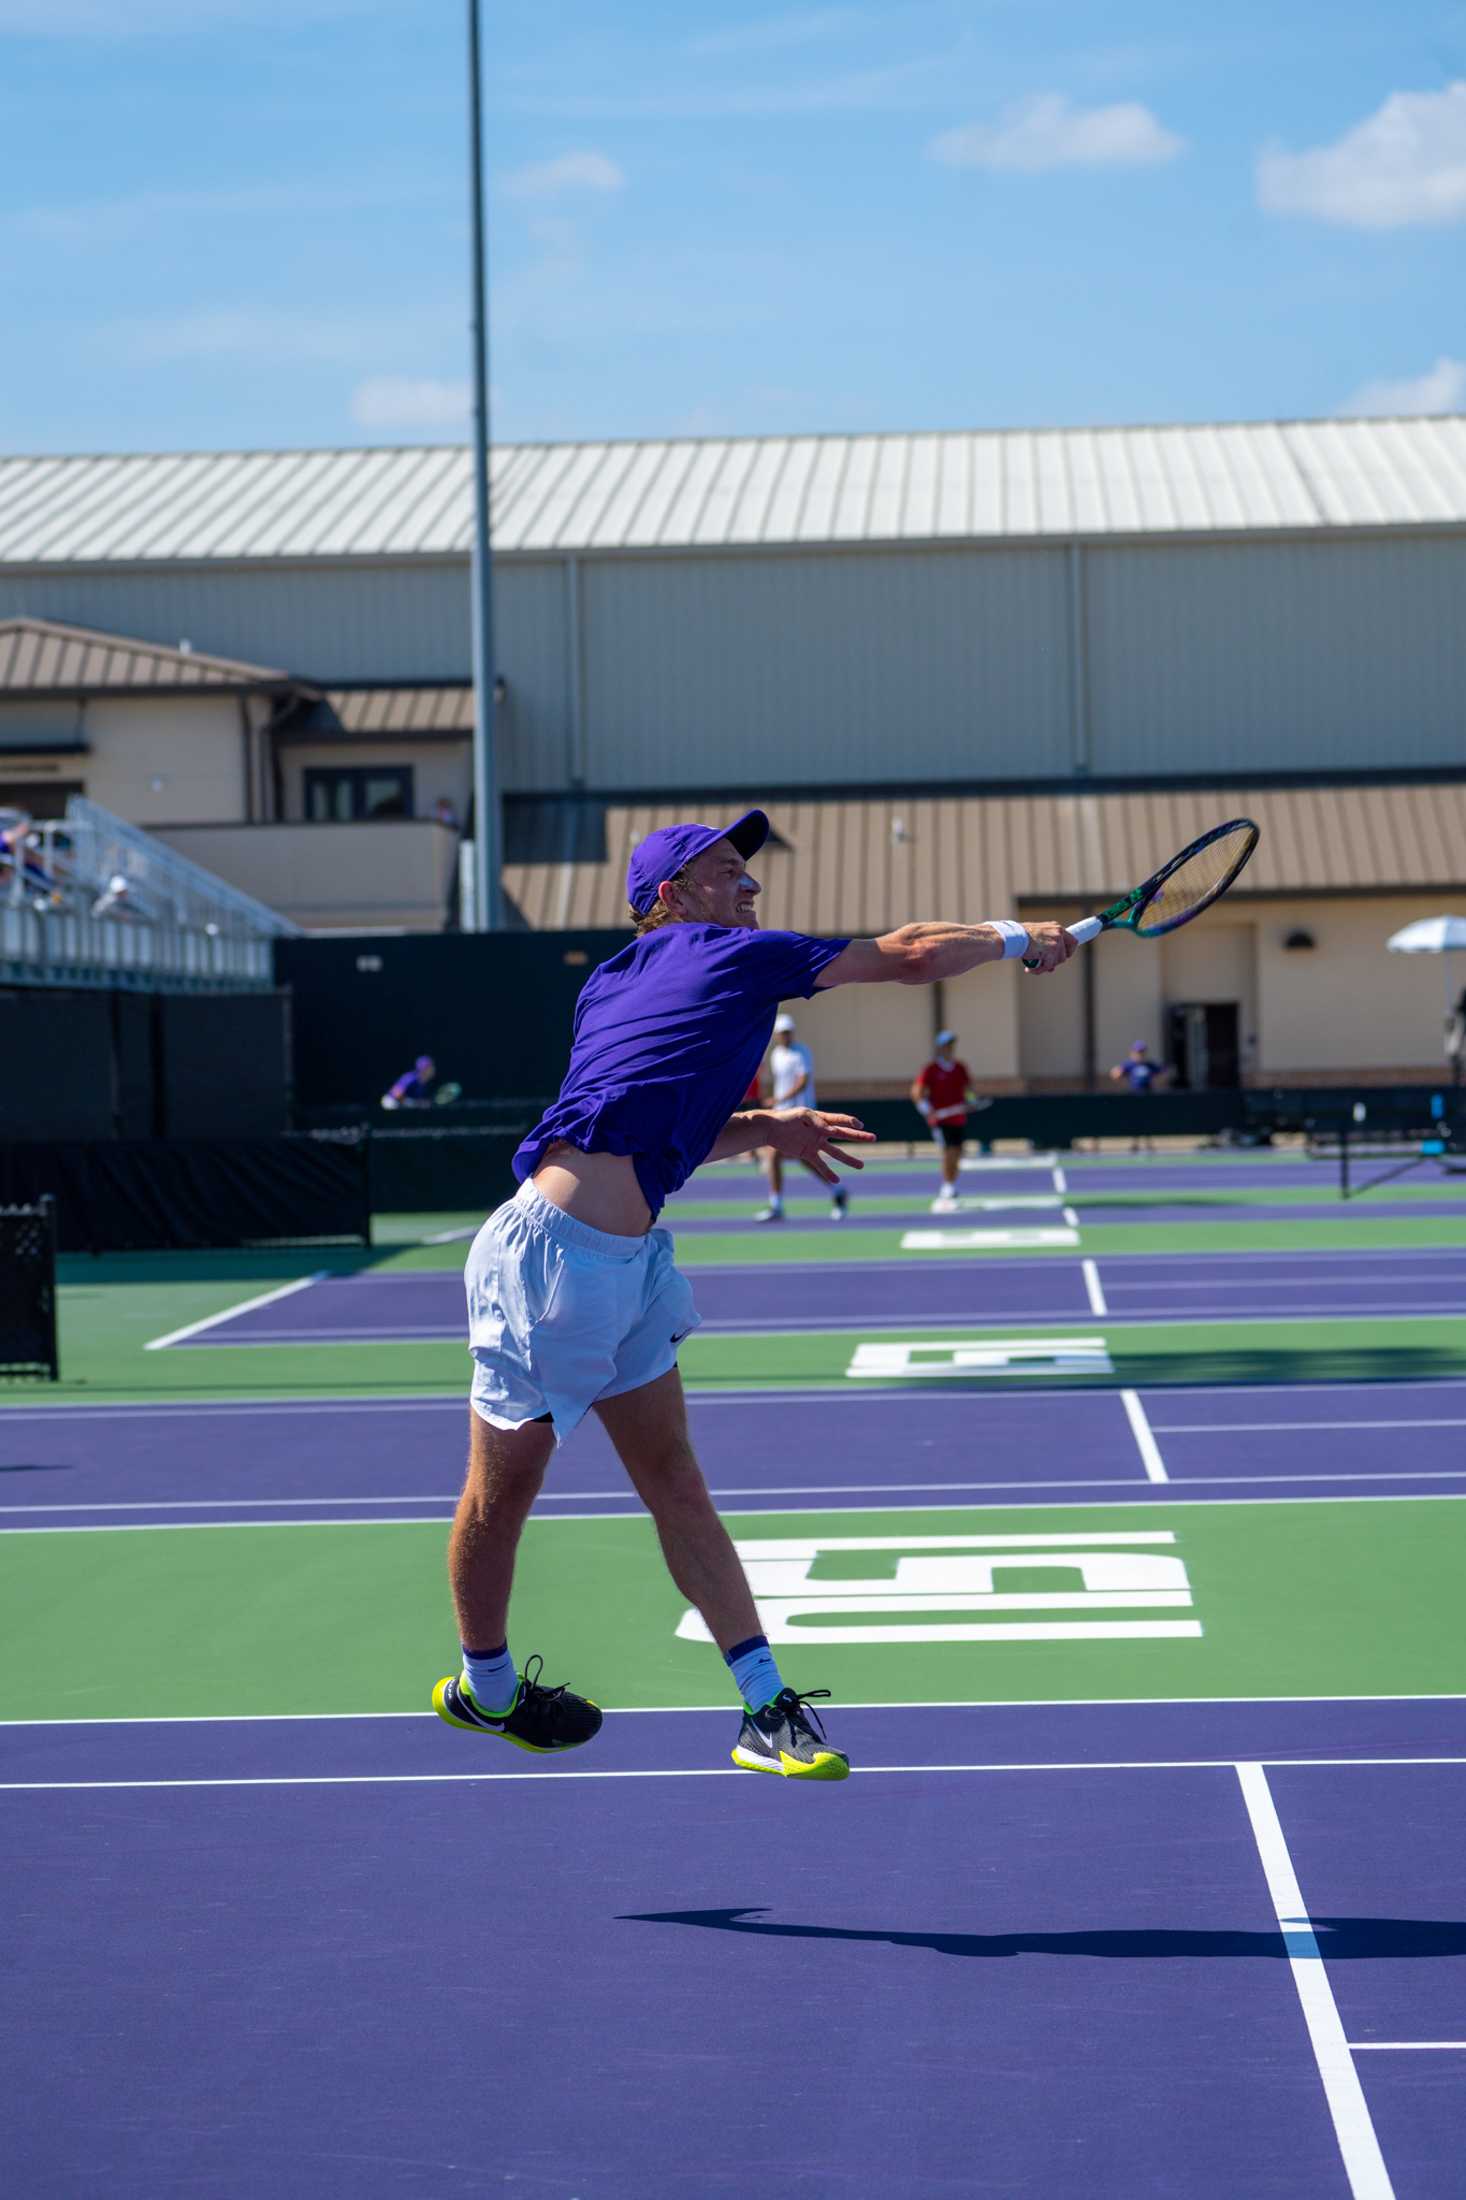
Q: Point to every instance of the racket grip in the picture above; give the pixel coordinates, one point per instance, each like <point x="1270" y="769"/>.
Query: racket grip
<point x="1085" y="928"/>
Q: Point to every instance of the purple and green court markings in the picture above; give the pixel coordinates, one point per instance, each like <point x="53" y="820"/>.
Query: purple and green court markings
<point x="1281" y="1599"/>
<point x="422" y="1308"/>
<point x="125" y="1466"/>
<point x="1082" y="1968"/>
<point x="1354" y="1230"/>
<point x="102" y="1363"/>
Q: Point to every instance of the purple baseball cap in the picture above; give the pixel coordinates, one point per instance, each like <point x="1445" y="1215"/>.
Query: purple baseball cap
<point x="663" y="854"/>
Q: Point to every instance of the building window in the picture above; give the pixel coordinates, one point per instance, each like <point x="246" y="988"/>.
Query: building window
<point x="344" y="794"/>
<point x="38" y="797"/>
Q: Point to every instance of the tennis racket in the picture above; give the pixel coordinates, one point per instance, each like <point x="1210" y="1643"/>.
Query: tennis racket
<point x="445" y="1095"/>
<point x="1180" y="890"/>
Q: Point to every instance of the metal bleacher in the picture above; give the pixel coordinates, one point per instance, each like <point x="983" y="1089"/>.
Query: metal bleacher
<point x="89" y="900"/>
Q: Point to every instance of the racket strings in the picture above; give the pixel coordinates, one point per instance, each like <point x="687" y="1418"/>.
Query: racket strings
<point x="1205" y="873"/>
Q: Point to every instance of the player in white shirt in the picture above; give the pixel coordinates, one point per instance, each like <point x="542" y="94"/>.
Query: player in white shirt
<point x="791" y="1072"/>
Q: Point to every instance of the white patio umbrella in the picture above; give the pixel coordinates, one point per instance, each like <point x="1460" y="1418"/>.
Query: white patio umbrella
<point x="1438" y="936"/>
<point x="1429" y="936"/>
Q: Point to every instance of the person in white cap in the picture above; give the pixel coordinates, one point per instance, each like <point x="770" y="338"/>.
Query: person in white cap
<point x="791" y="1074"/>
<point x="943" y="1092"/>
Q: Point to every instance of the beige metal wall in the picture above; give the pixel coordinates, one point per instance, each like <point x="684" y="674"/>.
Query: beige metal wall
<point x="1267" y="656"/>
<point x="818" y="669"/>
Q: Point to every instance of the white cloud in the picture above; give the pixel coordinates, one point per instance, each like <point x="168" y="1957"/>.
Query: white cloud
<point x="1441" y="389"/>
<point x="407" y="401"/>
<point x="552" y="179"/>
<point x="1050" y="131"/>
<point x="1404" y="164"/>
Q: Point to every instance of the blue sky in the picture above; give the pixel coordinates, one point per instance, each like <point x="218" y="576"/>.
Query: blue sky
<point x="240" y="223"/>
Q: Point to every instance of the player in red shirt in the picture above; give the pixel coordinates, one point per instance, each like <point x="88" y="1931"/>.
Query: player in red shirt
<point x="941" y="1092"/>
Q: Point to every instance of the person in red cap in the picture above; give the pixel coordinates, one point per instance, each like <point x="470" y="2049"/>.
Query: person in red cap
<point x="942" y="1092"/>
<point x="575" y="1303"/>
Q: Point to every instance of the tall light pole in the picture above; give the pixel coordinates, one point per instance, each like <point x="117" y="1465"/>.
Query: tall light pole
<point x="486" y="819"/>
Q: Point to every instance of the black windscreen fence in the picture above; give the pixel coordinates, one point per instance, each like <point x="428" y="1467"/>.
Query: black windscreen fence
<point x="493" y="1010"/>
<point x="154" y="1195"/>
<point x="28" y="1290"/>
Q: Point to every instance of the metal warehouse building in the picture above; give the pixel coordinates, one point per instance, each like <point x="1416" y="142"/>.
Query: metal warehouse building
<point x="1032" y="619"/>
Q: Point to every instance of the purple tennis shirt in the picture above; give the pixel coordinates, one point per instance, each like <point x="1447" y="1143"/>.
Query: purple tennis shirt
<point x="668" y="1035"/>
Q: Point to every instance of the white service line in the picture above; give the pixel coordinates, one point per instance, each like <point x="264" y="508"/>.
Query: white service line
<point x="1364" y="2165"/>
<point x="1071" y="1218"/>
<point x="1061" y="1181"/>
<point x="1098" y="1304"/>
<point x="212" y="1321"/>
<point x="1403" y="2047"/>
<point x="710" y="1772"/>
<point x="1140" y="1429"/>
<point x="1256" y="1428"/>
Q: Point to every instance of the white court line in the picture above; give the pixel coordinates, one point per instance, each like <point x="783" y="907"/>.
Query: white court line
<point x="730" y="1772"/>
<point x="211" y="1321"/>
<point x="1402" y="2047"/>
<point x="1061" y="1181"/>
<point x="930" y="1703"/>
<point x="1254" y="1428"/>
<point x="1364" y="2164"/>
<point x="751" y="1490"/>
<point x="451" y="1237"/>
<point x="441" y="1401"/>
<point x="1094" y="1288"/>
<point x="1145" y="1443"/>
<point x="1071" y="1218"/>
<point x="1173" y="1496"/>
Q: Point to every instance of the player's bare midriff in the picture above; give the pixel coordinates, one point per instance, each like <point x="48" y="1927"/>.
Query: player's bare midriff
<point x="596" y="1188"/>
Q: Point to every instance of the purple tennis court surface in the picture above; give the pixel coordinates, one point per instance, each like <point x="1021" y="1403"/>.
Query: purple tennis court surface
<point x="913" y="1288"/>
<point x="1000" y="1971"/>
<point x="74" y="1466"/>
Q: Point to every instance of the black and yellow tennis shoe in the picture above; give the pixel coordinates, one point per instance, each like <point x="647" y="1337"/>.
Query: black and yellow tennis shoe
<point x="544" y="1720"/>
<point x="786" y="1738"/>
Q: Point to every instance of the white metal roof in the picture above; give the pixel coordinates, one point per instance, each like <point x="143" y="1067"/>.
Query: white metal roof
<point x="708" y="494"/>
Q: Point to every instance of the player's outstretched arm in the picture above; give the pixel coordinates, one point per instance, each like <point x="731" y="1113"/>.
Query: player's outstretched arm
<point x="799" y="1134"/>
<point x="922" y="954"/>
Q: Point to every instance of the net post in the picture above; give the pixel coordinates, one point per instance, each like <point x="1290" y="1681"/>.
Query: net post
<point x="47" y="1205"/>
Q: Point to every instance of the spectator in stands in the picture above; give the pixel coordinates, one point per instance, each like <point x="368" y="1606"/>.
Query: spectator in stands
<point x="414" y="1088"/>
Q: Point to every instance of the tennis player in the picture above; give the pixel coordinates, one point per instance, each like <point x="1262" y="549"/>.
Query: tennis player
<point x="942" y="1092"/>
<point x="1141" y="1074"/>
<point x="791" y="1076"/>
<point x="574" y="1303"/>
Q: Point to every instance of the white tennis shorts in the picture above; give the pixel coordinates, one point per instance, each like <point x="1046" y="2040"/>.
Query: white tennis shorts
<point x="560" y="1315"/>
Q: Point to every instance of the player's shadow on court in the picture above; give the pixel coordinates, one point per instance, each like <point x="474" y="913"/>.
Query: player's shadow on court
<point x="1340" y="1939"/>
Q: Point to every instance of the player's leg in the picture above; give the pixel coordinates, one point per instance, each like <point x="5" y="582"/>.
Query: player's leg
<point x="648" y="1427"/>
<point x="950" y="1143"/>
<point x="505" y="1469"/>
<point x="773" y="1164"/>
<point x="490" y="1696"/>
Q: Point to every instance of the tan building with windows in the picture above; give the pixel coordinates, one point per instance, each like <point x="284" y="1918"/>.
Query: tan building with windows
<point x="966" y="672"/>
<point x="246" y="770"/>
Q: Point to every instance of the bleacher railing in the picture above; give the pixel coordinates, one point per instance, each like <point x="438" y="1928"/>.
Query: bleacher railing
<point x="90" y="900"/>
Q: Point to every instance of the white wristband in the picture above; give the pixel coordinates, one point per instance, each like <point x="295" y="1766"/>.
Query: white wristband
<point x="1013" y="936"/>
